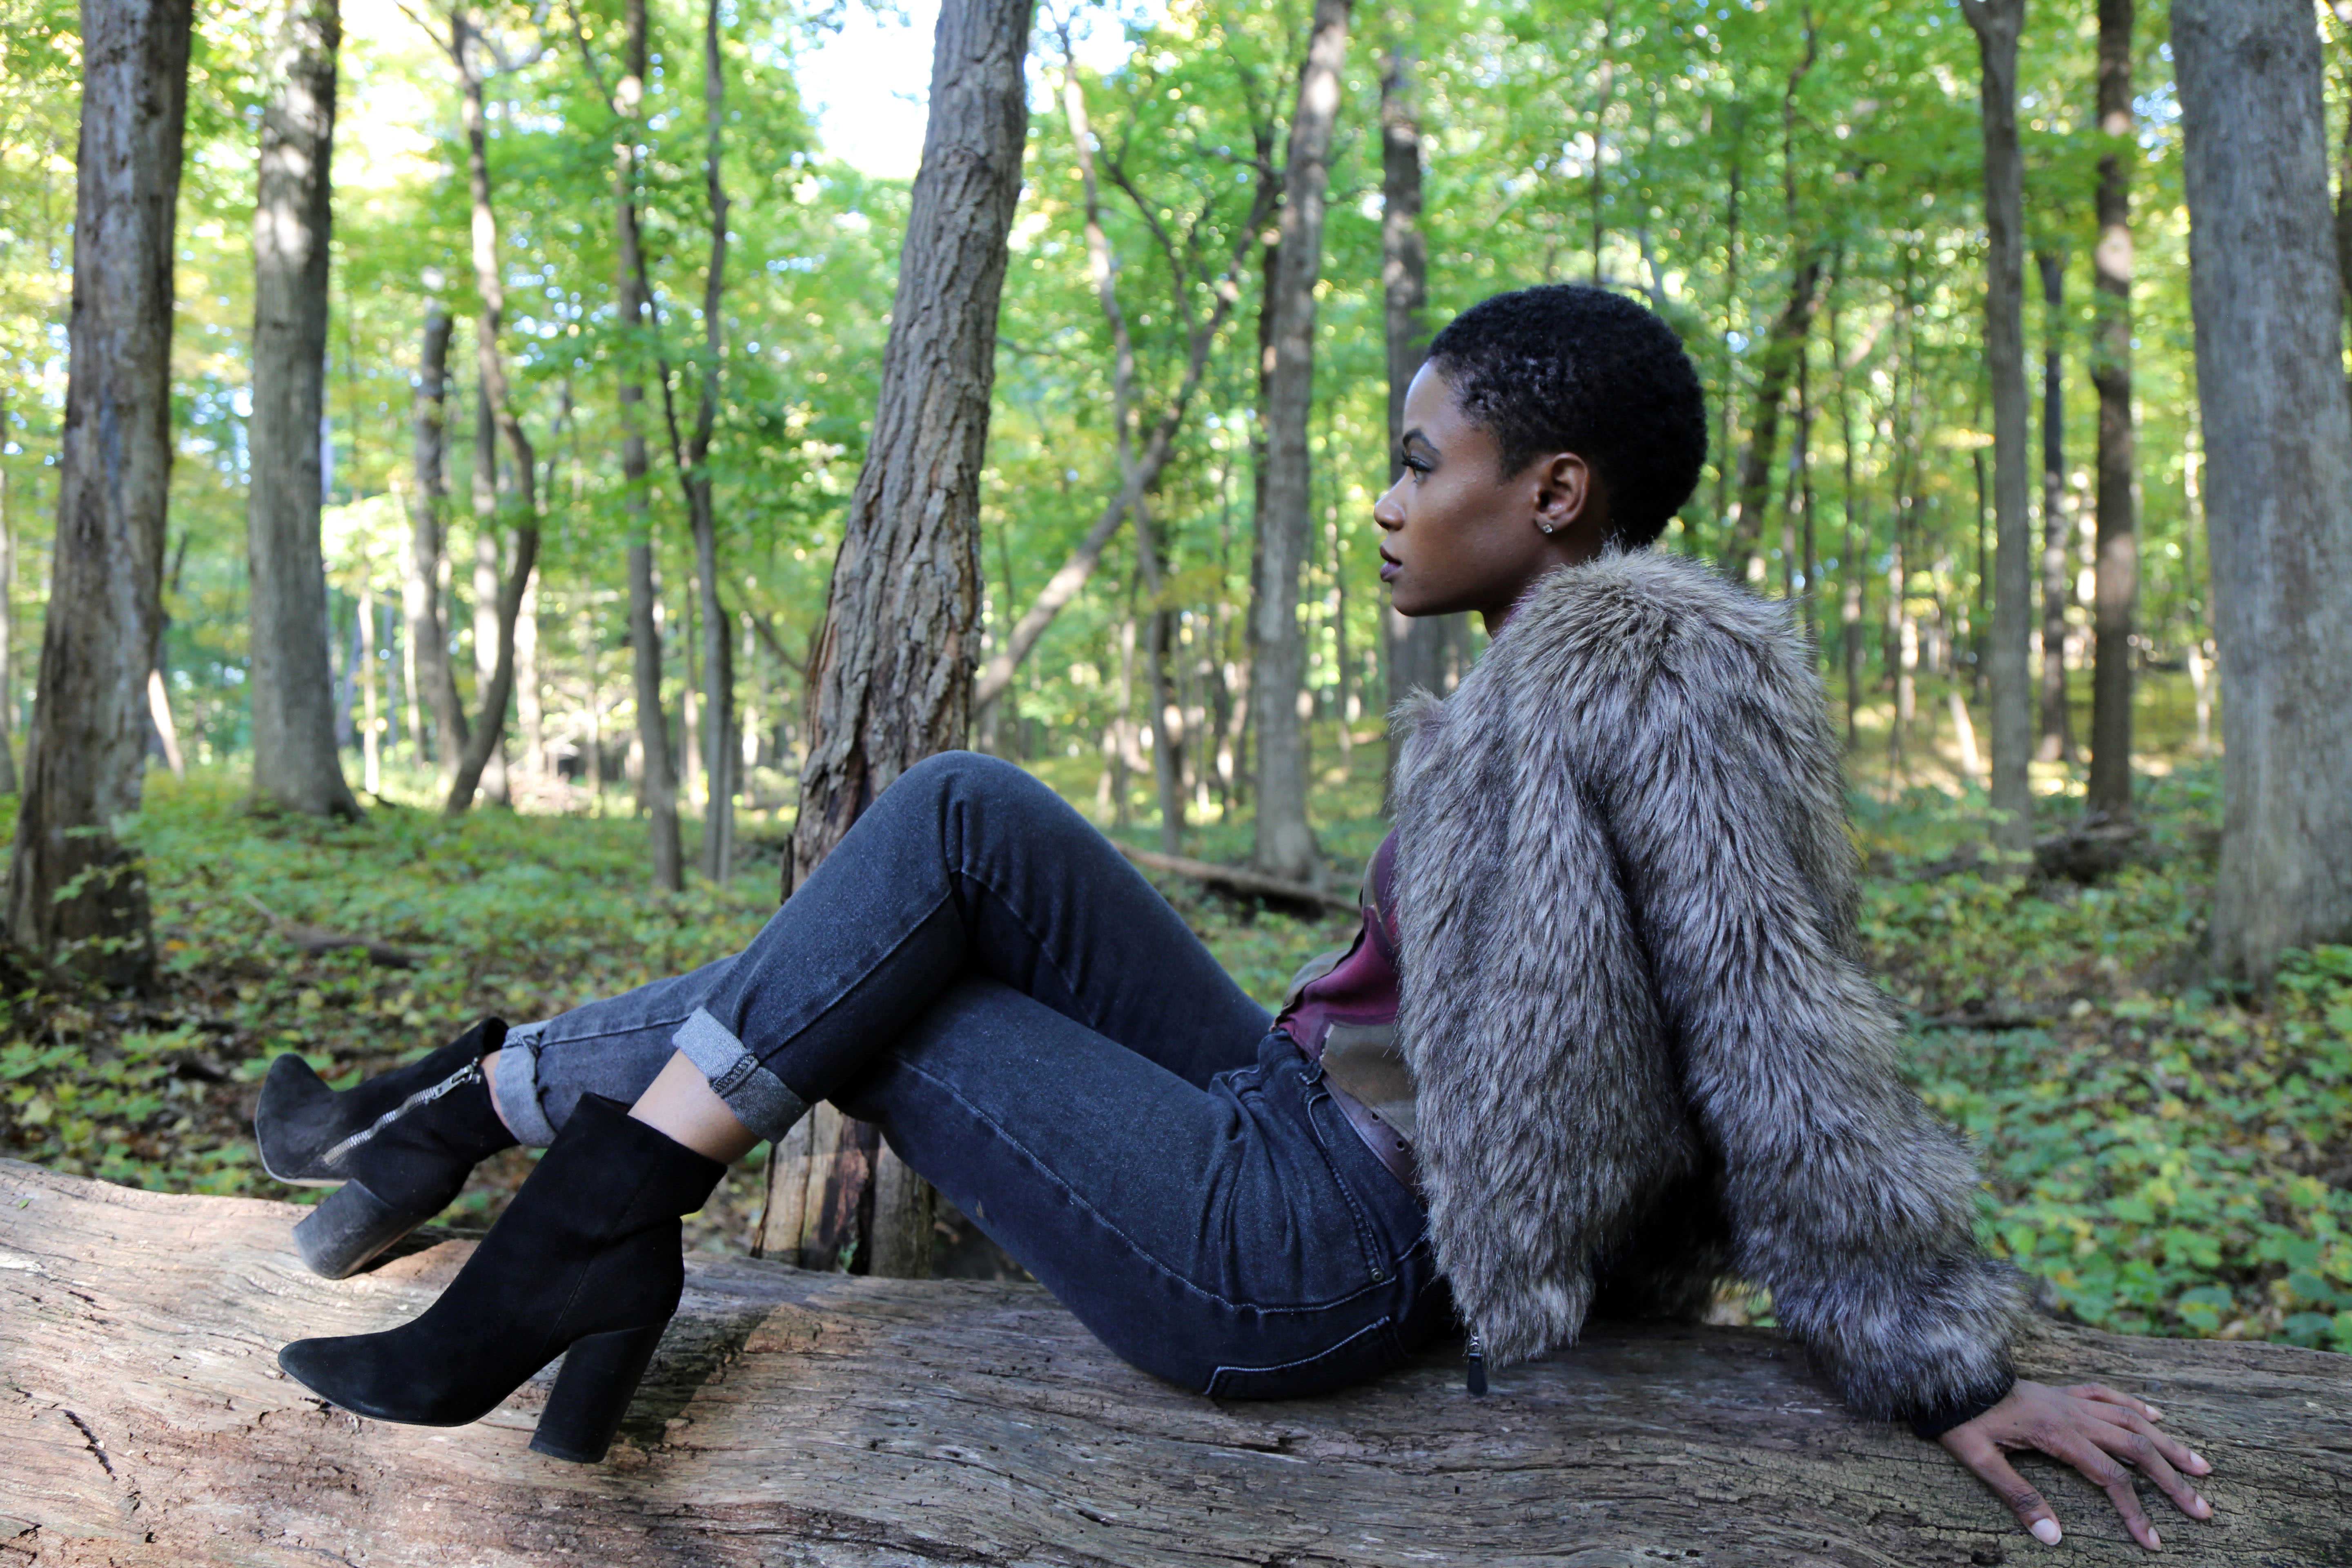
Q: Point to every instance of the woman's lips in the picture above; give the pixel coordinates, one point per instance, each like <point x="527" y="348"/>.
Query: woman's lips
<point x="1390" y="567"/>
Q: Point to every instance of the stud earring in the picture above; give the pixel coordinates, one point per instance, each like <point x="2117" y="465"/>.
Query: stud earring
<point x="1545" y="526"/>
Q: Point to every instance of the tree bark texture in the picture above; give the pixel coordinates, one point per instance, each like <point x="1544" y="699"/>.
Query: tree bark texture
<point x="420" y="589"/>
<point x="892" y="672"/>
<point x="296" y="763"/>
<point x="86" y="763"/>
<point x="1417" y="645"/>
<point x="891" y="677"/>
<point x="1284" y="843"/>
<point x="498" y="403"/>
<point x="2117" y="602"/>
<point x="2268" y="304"/>
<point x="2057" y="743"/>
<point x="2009" y="657"/>
<point x="722" y="758"/>
<point x="830" y="1422"/>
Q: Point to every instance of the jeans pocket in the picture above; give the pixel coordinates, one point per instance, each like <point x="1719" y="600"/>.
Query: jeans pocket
<point x="1366" y="1353"/>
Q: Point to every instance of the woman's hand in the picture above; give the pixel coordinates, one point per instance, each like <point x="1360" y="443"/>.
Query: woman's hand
<point x="2099" y="1431"/>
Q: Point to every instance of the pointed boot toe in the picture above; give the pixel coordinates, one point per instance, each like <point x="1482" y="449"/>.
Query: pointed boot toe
<point x="400" y="1145"/>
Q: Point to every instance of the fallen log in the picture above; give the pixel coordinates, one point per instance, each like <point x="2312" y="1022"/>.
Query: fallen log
<point x="316" y="939"/>
<point x="1239" y="879"/>
<point x="817" y="1419"/>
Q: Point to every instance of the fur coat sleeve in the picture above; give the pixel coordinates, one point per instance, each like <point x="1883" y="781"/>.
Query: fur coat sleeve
<point x="1645" y="1053"/>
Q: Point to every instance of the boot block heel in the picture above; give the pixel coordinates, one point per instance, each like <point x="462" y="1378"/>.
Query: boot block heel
<point x="591" y="1393"/>
<point x="348" y="1228"/>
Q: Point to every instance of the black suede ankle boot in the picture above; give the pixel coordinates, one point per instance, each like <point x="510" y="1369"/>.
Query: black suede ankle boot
<point x="584" y="1264"/>
<point x="401" y="1145"/>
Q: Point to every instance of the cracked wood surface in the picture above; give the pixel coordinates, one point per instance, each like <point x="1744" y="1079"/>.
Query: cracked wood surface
<point x="799" y="1418"/>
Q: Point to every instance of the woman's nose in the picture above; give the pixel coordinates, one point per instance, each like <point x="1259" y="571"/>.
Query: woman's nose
<point x="1388" y="511"/>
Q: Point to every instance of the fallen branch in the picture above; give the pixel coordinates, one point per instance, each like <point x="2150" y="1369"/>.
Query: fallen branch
<point x="835" y="1421"/>
<point x="1239" y="879"/>
<point x="318" y="938"/>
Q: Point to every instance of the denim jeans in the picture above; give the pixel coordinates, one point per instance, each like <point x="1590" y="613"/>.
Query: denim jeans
<point x="979" y="973"/>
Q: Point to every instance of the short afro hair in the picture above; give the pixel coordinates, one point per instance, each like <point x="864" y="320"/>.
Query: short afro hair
<point x="1567" y="367"/>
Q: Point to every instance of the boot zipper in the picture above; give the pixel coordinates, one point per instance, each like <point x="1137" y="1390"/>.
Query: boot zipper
<point x="470" y="1073"/>
<point x="1474" y="1364"/>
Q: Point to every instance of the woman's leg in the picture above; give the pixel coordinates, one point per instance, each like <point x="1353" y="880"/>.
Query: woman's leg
<point x="966" y="867"/>
<point x="1235" y="1237"/>
<point x="612" y="1046"/>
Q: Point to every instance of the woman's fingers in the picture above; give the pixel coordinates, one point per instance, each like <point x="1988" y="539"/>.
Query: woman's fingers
<point x="2104" y="1472"/>
<point x="2101" y="1392"/>
<point x="2177" y="1454"/>
<point x="1979" y="1454"/>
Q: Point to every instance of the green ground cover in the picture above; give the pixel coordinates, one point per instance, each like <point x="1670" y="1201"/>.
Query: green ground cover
<point x="2164" y="1157"/>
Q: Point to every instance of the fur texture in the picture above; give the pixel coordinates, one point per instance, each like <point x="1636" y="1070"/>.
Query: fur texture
<point x="1645" y="1054"/>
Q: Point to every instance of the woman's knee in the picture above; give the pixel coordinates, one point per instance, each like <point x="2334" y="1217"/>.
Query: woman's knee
<point x="973" y="776"/>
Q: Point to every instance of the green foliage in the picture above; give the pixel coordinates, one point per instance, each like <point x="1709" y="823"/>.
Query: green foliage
<point x="2164" y="1159"/>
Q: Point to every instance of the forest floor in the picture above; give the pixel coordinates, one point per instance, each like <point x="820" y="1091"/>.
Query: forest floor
<point x="2164" y="1155"/>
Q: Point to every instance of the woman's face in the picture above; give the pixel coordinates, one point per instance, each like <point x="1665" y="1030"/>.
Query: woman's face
<point x="1459" y="534"/>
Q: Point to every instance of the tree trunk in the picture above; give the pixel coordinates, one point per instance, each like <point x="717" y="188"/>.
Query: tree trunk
<point x="1164" y="717"/>
<point x="808" y="1418"/>
<point x="2117" y="595"/>
<point x="891" y="675"/>
<point x="8" y="781"/>
<point x="295" y="762"/>
<point x="370" y="743"/>
<point x="75" y="892"/>
<point x="721" y="756"/>
<point x="2268" y="306"/>
<point x="1416" y="645"/>
<point x="489" y="283"/>
<point x="530" y="711"/>
<point x="2057" y="742"/>
<point x="1784" y="345"/>
<point x="1997" y="23"/>
<point x="1284" y="843"/>
<point x="1852" y="608"/>
<point x="656" y="780"/>
<point x="420" y="589"/>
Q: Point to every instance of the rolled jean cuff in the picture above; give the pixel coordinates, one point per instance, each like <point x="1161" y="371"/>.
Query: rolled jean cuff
<point x="760" y="1099"/>
<point x="517" y="1088"/>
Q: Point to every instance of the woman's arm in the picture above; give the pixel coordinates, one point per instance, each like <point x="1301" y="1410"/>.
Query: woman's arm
<point x="2093" y="1428"/>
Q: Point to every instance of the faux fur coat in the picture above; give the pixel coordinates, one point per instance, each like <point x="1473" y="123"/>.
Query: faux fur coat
<point x="1645" y="1054"/>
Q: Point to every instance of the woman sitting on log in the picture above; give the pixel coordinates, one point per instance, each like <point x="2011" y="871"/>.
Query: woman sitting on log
<point x="1612" y="936"/>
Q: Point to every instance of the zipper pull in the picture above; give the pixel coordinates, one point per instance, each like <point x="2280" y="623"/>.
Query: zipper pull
<point x="1473" y="1363"/>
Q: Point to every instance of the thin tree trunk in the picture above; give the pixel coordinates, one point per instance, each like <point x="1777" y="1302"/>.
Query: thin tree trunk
<point x="890" y="676"/>
<point x="2268" y="304"/>
<point x="656" y="780"/>
<point x="530" y="708"/>
<point x="1851" y="609"/>
<point x="1165" y="720"/>
<point x="489" y="730"/>
<point x="2116" y="603"/>
<point x="2057" y="742"/>
<point x="9" y="781"/>
<point x="1155" y="450"/>
<point x="75" y="892"/>
<point x="1604" y="81"/>
<point x="1285" y="842"/>
<point x="1997" y="23"/>
<point x="721" y="756"/>
<point x="295" y="760"/>
<point x="1784" y="343"/>
<point x="371" y="743"/>
<point x="1727" y="394"/>
<point x="420" y="590"/>
<point x="1415" y="646"/>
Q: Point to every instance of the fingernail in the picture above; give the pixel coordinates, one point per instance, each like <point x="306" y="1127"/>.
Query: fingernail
<point x="2202" y="1505"/>
<point x="2201" y="1461"/>
<point x="2046" y="1532"/>
<point x="2155" y="1540"/>
<point x="2154" y="1414"/>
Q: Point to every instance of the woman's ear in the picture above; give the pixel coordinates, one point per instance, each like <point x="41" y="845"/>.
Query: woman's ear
<point x="1563" y="495"/>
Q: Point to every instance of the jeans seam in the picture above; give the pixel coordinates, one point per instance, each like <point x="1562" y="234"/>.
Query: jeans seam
<point x="1376" y="1326"/>
<point x="1011" y="1142"/>
<point x="1070" y="986"/>
<point x="1315" y="1094"/>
